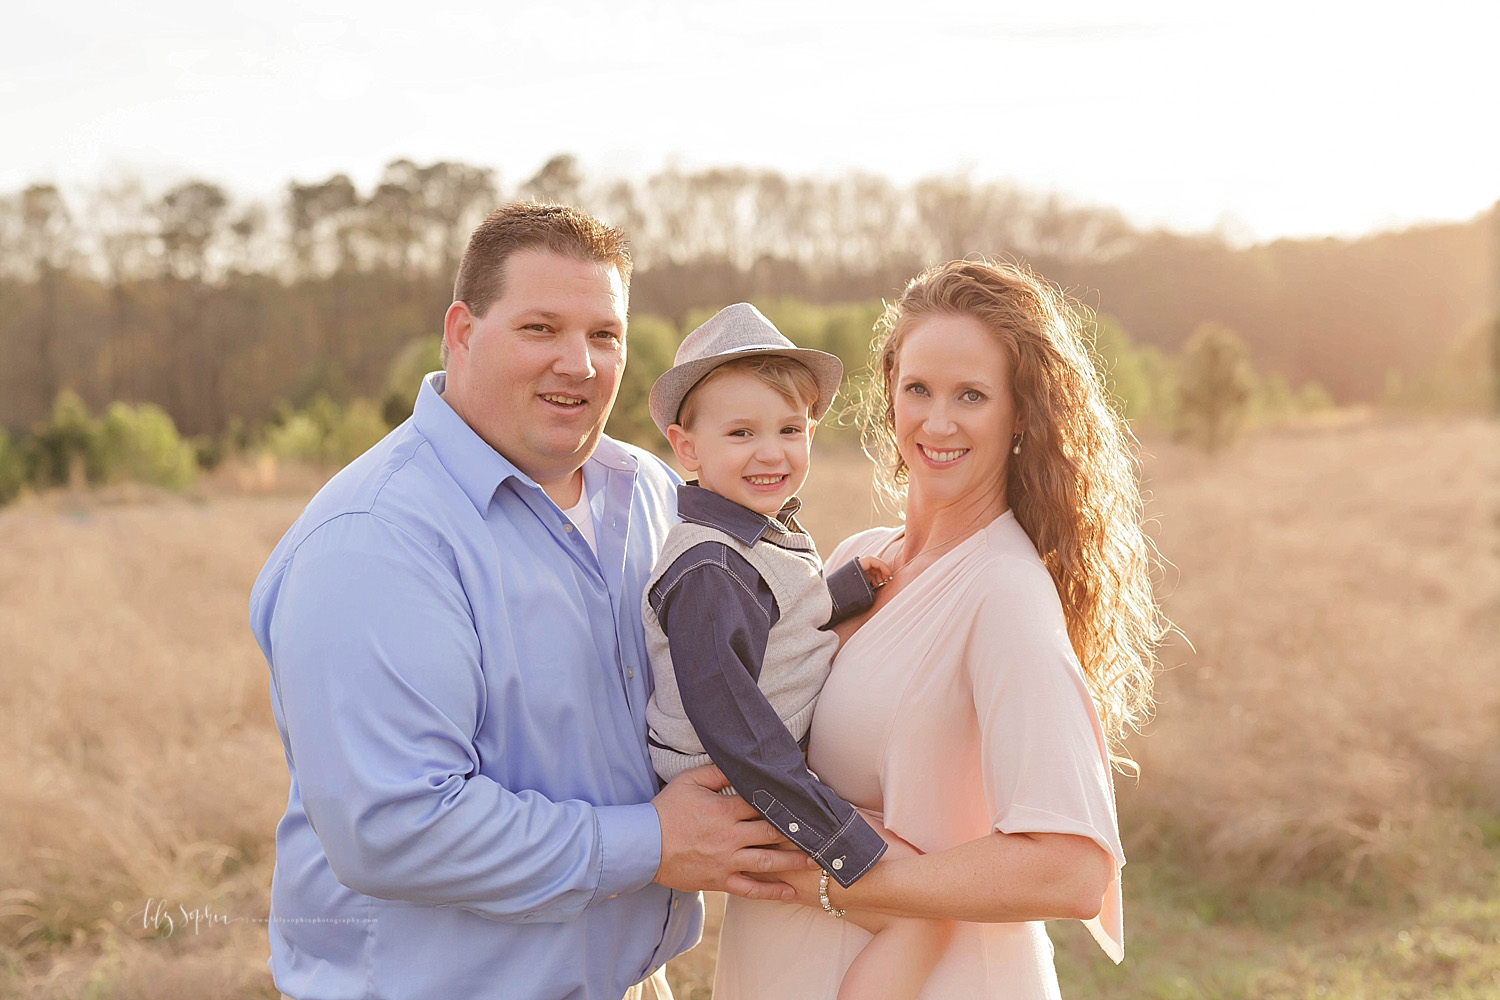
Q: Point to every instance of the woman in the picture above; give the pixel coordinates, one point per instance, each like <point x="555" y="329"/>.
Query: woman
<point x="976" y="709"/>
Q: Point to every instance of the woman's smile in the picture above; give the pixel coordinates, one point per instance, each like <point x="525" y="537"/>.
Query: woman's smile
<point x="939" y="458"/>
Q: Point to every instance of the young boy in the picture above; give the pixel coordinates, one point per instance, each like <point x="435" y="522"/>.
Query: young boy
<point x="738" y="611"/>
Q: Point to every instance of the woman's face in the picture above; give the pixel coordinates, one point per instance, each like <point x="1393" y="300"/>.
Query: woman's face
<point x="955" y="413"/>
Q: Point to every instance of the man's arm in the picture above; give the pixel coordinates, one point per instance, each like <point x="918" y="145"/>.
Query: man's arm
<point x="717" y="632"/>
<point x="376" y="665"/>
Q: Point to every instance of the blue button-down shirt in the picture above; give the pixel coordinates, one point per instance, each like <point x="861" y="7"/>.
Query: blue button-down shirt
<point x="460" y="684"/>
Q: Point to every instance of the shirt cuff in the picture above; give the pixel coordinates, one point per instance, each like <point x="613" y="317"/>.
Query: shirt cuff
<point x="848" y="854"/>
<point x="629" y="847"/>
<point x="851" y="592"/>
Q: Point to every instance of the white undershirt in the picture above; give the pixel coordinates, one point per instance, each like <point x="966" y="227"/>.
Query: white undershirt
<point x="582" y="517"/>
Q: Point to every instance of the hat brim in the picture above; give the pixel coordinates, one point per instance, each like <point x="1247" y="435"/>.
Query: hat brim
<point x="668" y="392"/>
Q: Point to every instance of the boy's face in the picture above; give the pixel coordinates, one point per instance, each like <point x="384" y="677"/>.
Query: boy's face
<point x="747" y="444"/>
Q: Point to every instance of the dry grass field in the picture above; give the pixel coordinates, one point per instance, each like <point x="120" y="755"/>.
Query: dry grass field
<point x="1318" y="813"/>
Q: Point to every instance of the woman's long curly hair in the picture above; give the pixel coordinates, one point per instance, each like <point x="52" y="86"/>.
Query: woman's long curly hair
<point x="1074" y="486"/>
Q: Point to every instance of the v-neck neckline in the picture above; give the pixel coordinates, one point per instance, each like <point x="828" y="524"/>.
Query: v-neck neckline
<point x="962" y="546"/>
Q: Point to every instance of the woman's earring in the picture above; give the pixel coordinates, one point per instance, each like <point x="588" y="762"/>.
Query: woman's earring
<point x="1017" y="449"/>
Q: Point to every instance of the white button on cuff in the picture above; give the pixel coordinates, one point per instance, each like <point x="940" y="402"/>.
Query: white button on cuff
<point x="838" y="864"/>
<point x="793" y="827"/>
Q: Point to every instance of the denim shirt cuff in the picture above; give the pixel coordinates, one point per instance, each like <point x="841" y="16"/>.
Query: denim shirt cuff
<point x="848" y="854"/>
<point x="851" y="592"/>
<point x="629" y="847"/>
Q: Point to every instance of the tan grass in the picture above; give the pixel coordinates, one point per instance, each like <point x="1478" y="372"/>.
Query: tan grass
<point x="1340" y="715"/>
<point x="142" y="764"/>
<point x="1342" y="592"/>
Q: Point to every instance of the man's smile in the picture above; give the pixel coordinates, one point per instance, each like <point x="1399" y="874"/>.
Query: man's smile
<point x="563" y="399"/>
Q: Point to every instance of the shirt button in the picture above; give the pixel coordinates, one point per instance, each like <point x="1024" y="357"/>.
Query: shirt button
<point x="614" y="895"/>
<point x="568" y="528"/>
<point x="674" y="904"/>
<point x="838" y="864"/>
<point x="630" y="671"/>
<point x="793" y="827"/>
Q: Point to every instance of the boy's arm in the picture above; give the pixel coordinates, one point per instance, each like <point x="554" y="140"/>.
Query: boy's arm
<point x="852" y="587"/>
<point x="717" y="616"/>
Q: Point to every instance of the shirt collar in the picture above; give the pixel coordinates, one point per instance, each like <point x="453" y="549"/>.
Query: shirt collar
<point x="705" y="507"/>
<point x="478" y="468"/>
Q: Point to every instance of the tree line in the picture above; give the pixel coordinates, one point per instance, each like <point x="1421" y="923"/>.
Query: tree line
<point x="1207" y="394"/>
<point x="220" y="310"/>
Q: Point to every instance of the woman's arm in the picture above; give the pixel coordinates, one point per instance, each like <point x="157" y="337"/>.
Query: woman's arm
<point x="1002" y="878"/>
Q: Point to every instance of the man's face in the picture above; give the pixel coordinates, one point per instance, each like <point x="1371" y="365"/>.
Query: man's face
<point x="536" y="375"/>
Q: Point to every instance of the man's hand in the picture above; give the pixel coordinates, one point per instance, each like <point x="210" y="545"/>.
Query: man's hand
<point x="713" y="841"/>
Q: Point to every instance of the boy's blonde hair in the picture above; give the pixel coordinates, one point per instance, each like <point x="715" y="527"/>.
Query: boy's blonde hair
<point x="791" y="379"/>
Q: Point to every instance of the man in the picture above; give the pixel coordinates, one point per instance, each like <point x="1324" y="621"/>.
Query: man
<point x="459" y="675"/>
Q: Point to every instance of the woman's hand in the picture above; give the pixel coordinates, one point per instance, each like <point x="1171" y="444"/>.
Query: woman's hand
<point x="805" y="883"/>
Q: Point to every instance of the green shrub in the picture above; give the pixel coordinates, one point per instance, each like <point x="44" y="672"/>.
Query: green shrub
<point x="650" y="346"/>
<point x="12" y="469"/>
<point x="355" y="431"/>
<point x="296" y="438"/>
<point x="1464" y="378"/>
<point x="64" y="446"/>
<point x="1215" y="384"/>
<point x="1276" y="401"/>
<point x="1311" y="397"/>
<point x="140" y="443"/>
<point x="403" y="377"/>
<point x="1140" y="378"/>
<point x="326" y="433"/>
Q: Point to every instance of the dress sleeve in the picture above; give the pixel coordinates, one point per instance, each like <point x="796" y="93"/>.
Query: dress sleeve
<point x="1045" y="759"/>
<point x="717" y="632"/>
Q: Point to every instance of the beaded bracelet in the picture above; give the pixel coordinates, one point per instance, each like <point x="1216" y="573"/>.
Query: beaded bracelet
<point x="823" y="896"/>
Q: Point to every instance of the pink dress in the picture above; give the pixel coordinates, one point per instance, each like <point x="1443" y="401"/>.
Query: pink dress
<point x="956" y="710"/>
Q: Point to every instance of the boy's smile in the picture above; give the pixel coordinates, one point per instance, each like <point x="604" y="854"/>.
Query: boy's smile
<point x="747" y="443"/>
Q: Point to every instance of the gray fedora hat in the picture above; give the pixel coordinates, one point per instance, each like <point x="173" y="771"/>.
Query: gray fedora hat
<point x="737" y="331"/>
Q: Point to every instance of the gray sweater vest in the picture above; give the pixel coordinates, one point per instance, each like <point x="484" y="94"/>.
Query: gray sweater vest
<point x="798" y="655"/>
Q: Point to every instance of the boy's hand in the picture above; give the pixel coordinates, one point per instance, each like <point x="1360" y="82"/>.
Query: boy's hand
<point x="877" y="571"/>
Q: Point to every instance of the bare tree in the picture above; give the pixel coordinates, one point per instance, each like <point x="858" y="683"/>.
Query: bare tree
<point x="189" y="225"/>
<point x="322" y="219"/>
<point x="455" y="197"/>
<point x="392" y="217"/>
<point x="559" y="180"/>
<point x="190" y="219"/>
<point x="47" y="245"/>
<point x="125" y="233"/>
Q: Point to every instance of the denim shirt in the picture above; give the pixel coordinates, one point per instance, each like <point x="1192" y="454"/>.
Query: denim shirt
<point x="717" y="613"/>
<point x="460" y="682"/>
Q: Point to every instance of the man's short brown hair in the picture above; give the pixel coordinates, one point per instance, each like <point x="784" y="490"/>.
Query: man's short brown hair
<point x="528" y="225"/>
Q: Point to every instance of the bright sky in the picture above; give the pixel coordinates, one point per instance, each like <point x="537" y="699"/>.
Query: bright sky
<point x="1263" y="118"/>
